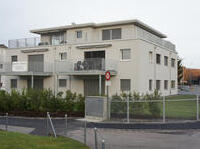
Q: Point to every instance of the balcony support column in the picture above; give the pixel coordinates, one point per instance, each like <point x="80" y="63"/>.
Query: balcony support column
<point x="32" y="81"/>
<point x="100" y="85"/>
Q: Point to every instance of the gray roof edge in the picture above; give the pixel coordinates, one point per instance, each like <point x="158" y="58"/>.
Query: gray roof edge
<point x="98" y="25"/>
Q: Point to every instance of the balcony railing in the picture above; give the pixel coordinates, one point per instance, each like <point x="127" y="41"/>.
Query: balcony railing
<point x="68" y="66"/>
<point x="31" y="42"/>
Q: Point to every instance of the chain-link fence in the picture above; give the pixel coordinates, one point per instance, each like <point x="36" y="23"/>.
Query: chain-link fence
<point x="55" y="127"/>
<point x="161" y="110"/>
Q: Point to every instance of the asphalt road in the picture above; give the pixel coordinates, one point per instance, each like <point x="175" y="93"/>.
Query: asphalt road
<point x="114" y="138"/>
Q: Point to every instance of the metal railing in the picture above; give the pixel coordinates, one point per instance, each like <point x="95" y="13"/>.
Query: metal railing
<point x="24" y="43"/>
<point x="67" y="66"/>
<point x="95" y="64"/>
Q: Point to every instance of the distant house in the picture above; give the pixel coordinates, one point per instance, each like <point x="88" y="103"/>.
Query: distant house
<point x="191" y="76"/>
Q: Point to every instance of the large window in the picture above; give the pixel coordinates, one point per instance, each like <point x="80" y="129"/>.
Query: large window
<point x="158" y="84"/>
<point x="63" y="56"/>
<point x="14" y="58"/>
<point x="125" y="54"/>
<point x="62" y="82"/>
<point x="172" y="84"/>
<point x="173" y="62"/>
<point x="57" y="39"/>
<point x="166" y="84"/>
<point x="13" y="83"/>
<point x="125" y="84"/>
<point x="150" y="85"/>
<point x="165" y="60"/>
<point x="110" y="34"/>
<point x="158" y="59"/>
<point x="1" y="66"/>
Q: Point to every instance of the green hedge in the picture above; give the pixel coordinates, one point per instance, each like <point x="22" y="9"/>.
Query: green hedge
<point x="41" y="101"/>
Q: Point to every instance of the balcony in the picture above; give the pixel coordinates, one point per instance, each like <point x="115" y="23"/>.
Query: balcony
<point x="31" y="42"/>
<point x="90" y="66"/>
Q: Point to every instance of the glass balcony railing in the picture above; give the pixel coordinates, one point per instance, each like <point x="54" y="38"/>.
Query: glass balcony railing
<point x="68" y="66"/>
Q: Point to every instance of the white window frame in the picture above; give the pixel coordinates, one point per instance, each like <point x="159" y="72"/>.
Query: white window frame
<point x="79" y="33"/>
<point x="121" y="55"/>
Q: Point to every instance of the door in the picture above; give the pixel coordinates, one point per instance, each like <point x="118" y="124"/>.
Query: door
<point x="91" y="87"/>
<point x="37" y="83"/>
<point x="36" y="63"/>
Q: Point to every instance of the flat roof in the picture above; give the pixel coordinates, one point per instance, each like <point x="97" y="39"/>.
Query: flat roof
<point x="99" y="25"/>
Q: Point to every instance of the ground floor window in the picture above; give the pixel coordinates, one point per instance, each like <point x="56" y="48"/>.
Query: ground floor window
<point x="150" y="85"/>
<point x="13" y="83"/>
<point x="62" y="82"/>
<point x="158" y="84"/>
<point x="172" y="84"/>
<point x="125" y="84"/>
<point x="166" y="84"/>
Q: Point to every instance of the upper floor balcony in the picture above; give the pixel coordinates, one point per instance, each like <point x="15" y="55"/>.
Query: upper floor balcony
<point x="91" y="66"/>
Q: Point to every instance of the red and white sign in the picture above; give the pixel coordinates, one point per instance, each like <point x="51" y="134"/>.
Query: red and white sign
<point x="107" y="75"/>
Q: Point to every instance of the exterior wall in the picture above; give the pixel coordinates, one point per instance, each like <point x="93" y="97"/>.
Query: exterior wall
<point x="138" y="69"/>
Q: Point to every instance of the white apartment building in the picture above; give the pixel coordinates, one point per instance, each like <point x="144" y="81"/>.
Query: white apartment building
<point x="76" y="57"/>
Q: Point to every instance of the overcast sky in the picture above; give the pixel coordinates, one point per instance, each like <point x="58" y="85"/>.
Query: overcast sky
<point x="178" y="19"/>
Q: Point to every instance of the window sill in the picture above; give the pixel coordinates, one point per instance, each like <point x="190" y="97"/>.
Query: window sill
<point x="125" y="60"/>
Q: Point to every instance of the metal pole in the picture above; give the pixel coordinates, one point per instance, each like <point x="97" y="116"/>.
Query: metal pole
<point x="47" y="123"/>
<point x="163" y="109"/>
<point x="99" y="85"/>
<point x="103" y="144"/>
<point x="95" y="138"/>
<point x="85" y="127"/>
<point x="85" y="132"/>
<point x="108" y="110"/>
<point x="128" y="108"/>
<point x="197" y="107"/>
<point x="54" y="132"/>
<point x="6" y="126"/>
<point x="65" y="124"/>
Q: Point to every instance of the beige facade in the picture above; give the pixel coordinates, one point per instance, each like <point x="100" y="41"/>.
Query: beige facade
<point x="83" y="42"/>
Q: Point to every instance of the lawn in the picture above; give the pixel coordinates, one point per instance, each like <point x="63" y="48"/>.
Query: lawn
<point x="11" y="140"/>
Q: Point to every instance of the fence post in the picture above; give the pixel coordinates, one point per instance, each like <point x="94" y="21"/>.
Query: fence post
<point x="65" y="124"/>
<point x="197" y="107"/>
<point x="95" y="138"/>
<point x="103" y="144"/>
<point x="163" y="109"/>
<point x="6" y="124"/>
<point x="85" y="131"/>
<point x="128" y="108"/>
<point x="47" y="125"/>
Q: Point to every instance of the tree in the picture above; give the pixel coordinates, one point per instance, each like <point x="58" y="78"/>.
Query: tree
<point x="180" y="70"/>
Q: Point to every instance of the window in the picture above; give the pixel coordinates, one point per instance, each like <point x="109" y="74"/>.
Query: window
<point x="79" y="34"/>
<point x="172" y="84"/>
<point x="150" y="57"/>
<point x="14" y="58"/>
<point x="110" y="34"/>
<point x="13" y="83"/>
<point x="173" y="62"/>
<point x="150" y="85"/>
<point x="57" y="39"/>
<point x="62" y="82"/>
<point x="125" y="54"/>
<point x="158" y="59"/>
<point x="166" y="84"/>
<point x="63" y="56"/>
<point x="165" y="60"/>
<point x="158" y="84"/>
<point x="1" y="66"/>
<point x="125" y="84"/>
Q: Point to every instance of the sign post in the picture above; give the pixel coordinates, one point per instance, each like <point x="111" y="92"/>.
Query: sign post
<point x="108" y="83"/>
